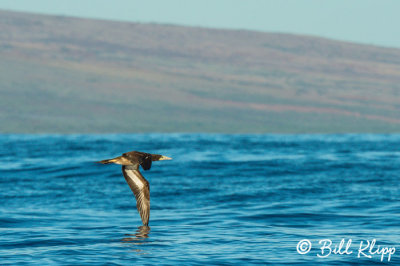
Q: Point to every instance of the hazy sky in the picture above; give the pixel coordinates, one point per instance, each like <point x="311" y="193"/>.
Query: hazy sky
<point x="366" y="21"/>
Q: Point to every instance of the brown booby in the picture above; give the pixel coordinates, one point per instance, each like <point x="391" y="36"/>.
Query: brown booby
<point x="130" y="162"/>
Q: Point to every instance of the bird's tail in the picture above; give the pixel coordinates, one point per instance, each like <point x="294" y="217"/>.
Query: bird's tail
<point x="108" y="161"/>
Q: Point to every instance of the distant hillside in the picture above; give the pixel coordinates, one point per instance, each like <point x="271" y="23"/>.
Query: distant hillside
<point x="71" y="75"/>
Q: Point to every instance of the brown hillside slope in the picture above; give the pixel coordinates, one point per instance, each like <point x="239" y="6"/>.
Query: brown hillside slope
<point x="70" y="75"/>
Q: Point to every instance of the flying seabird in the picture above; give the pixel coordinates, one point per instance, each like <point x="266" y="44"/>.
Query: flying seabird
<point x="130" y="162"/>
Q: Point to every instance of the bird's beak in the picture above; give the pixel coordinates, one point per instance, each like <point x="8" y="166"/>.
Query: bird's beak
<point x="164" y="158"/>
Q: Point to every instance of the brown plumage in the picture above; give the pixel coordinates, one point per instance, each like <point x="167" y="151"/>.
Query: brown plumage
<point x="140" y="187"/>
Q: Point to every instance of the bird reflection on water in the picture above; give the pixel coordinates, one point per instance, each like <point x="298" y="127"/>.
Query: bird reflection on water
<point x="139" y="238"/>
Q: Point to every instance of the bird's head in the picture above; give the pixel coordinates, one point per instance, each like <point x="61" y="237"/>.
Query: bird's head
<point x="146" y="162"/>
<point x="158" y="157"/>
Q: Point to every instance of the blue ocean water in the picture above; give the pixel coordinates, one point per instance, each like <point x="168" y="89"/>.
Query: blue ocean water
<point x="223" y="199"/>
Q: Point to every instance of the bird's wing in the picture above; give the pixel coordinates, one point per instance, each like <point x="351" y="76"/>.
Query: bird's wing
<point x="141" y="189"/>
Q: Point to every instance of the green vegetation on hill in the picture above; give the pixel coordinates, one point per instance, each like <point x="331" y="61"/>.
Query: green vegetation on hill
<point x="71" y="75"/>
